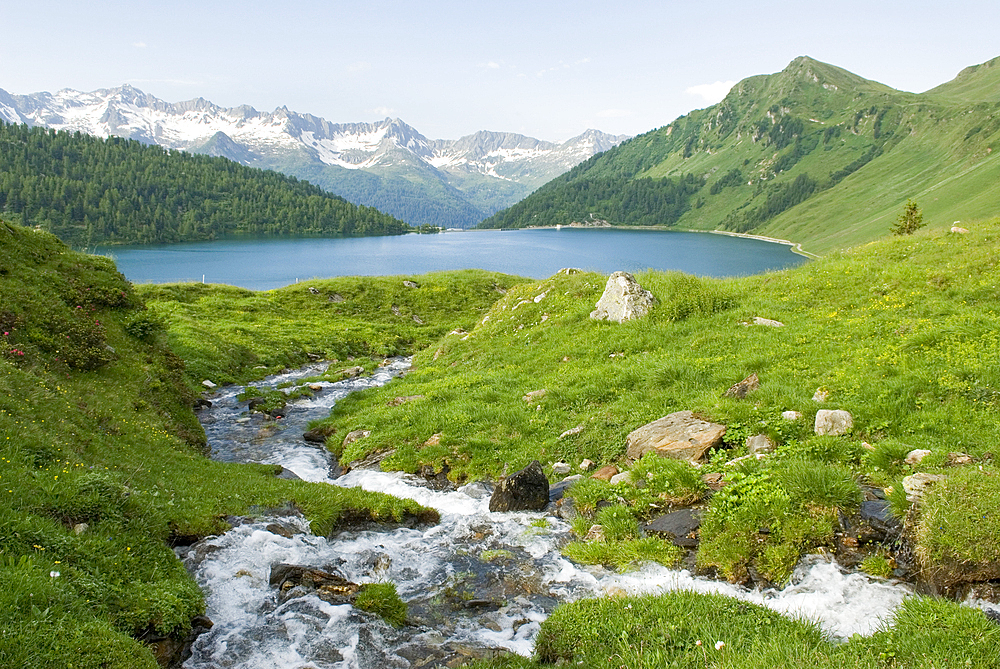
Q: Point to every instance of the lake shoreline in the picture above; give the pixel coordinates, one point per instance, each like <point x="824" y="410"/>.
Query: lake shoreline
<point x="796" y="247"/>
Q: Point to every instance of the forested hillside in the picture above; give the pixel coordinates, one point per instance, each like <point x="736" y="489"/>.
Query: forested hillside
<point x="814" y="153"/>
<point x="92" y="191"/>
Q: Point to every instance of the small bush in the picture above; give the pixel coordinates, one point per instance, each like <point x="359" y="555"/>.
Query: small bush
<point x="144" y="325"/>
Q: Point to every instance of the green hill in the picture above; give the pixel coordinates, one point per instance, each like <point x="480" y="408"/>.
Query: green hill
<point x="814" y="154"/>
<point x="90" y="191"/>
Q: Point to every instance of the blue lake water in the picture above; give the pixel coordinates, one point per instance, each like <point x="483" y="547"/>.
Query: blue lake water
<point x="262" y="264"/>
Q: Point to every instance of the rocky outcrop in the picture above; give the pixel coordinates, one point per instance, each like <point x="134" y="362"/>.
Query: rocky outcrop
<point x="679" y="435"/>
<point x="318" y="435"/>
<point x="524" y="490"/>
<point x="623" y="300"/>
<point x="354" y="435"/>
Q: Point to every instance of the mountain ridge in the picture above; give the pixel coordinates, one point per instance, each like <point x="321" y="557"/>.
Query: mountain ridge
<point x="812" y="153"/>
<point x="462" y="180"/>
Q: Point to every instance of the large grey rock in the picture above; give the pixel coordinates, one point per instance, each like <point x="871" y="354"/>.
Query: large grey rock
<point x="834" y="422"/>
<point x="524" y="490"/>
<point x="678" y="435"/>
<point x="623" y="300"/>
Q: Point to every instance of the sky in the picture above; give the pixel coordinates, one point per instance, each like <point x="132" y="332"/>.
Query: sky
<point x="547" y="69"/>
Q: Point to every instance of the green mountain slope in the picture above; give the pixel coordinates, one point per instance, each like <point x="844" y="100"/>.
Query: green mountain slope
<point x="813" y="153"/>
<point x="90" y="191"/>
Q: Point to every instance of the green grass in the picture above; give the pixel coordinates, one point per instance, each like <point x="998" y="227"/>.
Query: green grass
<point x="102" y="466"/>
<point x="382" y="599"/>
<point x="230" y="334"/>
<point x="902" y="333"/>
<point x="688" y="630"/>
<point x="863" y="148"/>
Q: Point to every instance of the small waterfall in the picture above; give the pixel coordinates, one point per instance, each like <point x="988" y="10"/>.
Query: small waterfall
<point x="477" y="583"/>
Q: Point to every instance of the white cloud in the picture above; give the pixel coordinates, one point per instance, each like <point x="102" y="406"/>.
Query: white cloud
<point x="562" y="66"/>
<point x="139" y="45"/>
<point x="614" y="113"/>
<point x="384" y="111"/>
<point x="360" y="66"/>
<point x="711" y="93"/>
<point x="492" y="65"/>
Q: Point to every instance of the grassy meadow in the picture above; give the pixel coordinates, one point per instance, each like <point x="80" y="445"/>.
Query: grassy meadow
<point x="902" y="332"/>
<point x="102" y="468"/>
<point x="96" y="429"/>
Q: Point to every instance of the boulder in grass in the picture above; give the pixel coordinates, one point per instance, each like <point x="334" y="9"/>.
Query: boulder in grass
<point x="623" y="300"/>
<point x="679" y="435"/>
<point x="605" y="473"/>
<point x="524" y="490"/>
<point x="833" y="422"/>
<point x="743" y="388"/>
<point x="680" y="527"/>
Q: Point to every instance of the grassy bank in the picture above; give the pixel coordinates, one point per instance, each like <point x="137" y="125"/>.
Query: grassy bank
<point x="692" y="631"/>
<point x="231" y="334"/>
<point x="102" y="467"/>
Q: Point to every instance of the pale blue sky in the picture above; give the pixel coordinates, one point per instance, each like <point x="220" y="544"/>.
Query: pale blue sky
<point x="449" y="68"/>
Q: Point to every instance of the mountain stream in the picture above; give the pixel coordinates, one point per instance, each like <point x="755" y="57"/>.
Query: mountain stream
<point x="476" y="584"/>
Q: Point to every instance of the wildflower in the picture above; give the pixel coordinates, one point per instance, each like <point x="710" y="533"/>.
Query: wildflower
<point x="719" y="645"/>
<point x="698" y="642"/>
<point x="53" y="574"/>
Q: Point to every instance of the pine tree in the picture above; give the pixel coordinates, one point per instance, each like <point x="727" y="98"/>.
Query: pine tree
<point x="910" y="220"/>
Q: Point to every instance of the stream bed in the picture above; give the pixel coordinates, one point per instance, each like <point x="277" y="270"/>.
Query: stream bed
<point x="477" y="584"/>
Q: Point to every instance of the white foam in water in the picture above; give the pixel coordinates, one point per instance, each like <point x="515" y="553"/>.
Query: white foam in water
<point x="252" y="631"/>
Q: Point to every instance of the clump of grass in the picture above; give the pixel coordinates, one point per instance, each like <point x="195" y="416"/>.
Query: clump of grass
<point x="624" y="554"/>
<point x="818" y="483"/>
<point x="877" y="564"/>
<point x="383" y="600"/>
<point x="623" y="546"/>
<point x="958" y="528"/>
<point x="665" y="480"/>
<point x="754" y="521"/>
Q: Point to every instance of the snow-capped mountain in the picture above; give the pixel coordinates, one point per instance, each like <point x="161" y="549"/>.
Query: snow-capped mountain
<point x="387" y="164"/>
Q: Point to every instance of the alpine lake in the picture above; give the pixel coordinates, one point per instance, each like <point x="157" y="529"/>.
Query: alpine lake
<point x="273" y="262"/>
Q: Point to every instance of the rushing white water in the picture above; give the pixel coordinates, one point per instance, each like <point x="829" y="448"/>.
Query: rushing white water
<point x="476" y="581"/>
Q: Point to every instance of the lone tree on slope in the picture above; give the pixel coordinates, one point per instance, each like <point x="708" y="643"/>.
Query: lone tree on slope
<point x="910" y="220"/>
